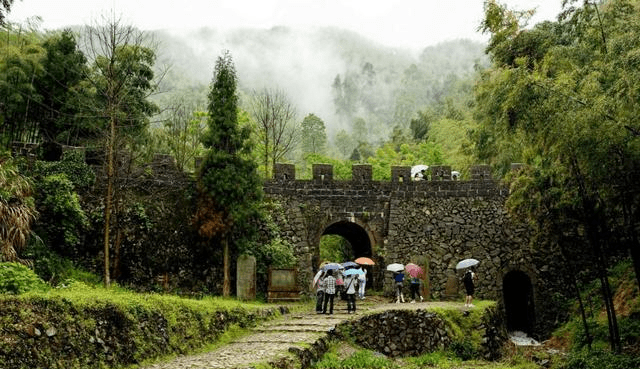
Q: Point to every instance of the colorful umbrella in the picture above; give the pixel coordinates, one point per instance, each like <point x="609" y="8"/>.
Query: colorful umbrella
<point x="413" y="270"/>
<point x="466" y="263"/>
<point x="352" y="271"/>
<point x="395" y="267"/>
<point x="364" y="261"/>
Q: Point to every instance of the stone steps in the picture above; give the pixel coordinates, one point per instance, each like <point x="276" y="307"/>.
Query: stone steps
<point x="293" y="341"/>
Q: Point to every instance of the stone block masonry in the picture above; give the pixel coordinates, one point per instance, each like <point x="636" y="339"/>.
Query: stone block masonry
<point x="434" y="223"/>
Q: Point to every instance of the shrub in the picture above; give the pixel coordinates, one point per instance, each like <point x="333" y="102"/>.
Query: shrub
<point x="599" y="359"/>
<point x="16" y="279"/>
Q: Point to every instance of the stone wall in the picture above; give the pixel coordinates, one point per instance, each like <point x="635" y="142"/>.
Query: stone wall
<point x="434" y="223"/>
<point x="397" y="333"/>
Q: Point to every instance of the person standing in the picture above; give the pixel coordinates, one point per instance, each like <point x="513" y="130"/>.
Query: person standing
<point x="469" y="279"/>
<point x="362" y="281"/>
<point x="415" y="289"/>
<point x="329" y="292"/>
<point x="351" y="286"/>
<point x="319" y="293"/>
<point x="399" y="280"/>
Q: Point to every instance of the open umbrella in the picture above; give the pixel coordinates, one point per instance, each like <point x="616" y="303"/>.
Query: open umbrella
<point x="350" y="264"/>
<point x="317" y="276"/>
<point x="466" y="263"/>
<point x="395" y="267"/>
<point x="352" y="271"/>
<point x="364" y="261"/>
<point x="331" y="266"/>
<point x="418" y="171"/>
<point x="413" y="270"/>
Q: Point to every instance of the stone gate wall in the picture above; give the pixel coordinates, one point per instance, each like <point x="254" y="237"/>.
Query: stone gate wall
<point x="434" y="223"/>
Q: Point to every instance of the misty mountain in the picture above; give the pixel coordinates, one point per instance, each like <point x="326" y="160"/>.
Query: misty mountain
<point x="319" y="69"/>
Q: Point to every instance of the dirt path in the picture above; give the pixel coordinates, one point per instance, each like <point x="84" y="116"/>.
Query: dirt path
<point x="271" y="341"/>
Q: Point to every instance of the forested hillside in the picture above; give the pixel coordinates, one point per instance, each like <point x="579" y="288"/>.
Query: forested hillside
<point x="360" y="89"/>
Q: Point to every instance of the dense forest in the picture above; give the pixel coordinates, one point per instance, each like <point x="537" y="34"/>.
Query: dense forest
<point x="561" y="98"/>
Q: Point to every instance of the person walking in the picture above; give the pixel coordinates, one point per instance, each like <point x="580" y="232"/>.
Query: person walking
<point x="351" y="286"/>
<point x="362" y="281"/>
<point x="468" y="279"/>
<point x="415" y="289"/>
<point x="329" y="292"/>
<point x="399" y="280"/>
<point x="319" y="293"/>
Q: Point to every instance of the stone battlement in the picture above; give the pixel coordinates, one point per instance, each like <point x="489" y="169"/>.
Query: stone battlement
<point x="364" y="173"/>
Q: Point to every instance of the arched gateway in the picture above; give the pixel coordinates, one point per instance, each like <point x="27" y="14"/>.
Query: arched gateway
<point x="434" y="222"/>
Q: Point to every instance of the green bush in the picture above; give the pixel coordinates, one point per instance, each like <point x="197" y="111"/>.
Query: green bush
<point x="599" y="359"/>
<point x="464" y="349"/>
<point x="16" y="279"/>
<point x="62" y="222"/>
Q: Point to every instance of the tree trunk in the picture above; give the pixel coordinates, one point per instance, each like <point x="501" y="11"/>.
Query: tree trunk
<point x="226" y="284"/>
<point x="108" y="206"/>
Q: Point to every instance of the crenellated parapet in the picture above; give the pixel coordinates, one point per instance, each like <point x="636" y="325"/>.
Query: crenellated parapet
<point x="399" y="174"/>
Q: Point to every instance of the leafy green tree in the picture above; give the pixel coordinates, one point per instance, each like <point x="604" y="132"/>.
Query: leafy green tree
<point x="314" y="135"/>
<point x="20" y="65"/>
<point x="345" y="143"/>
<point x="565" y="92"/>
<point x="122" y="77"/>
<point x="61" y="89"/>
<point x="62" y="223"/>
<point x="181" y="133"/>
<point x="228" y="181"/>
<point x="275" y="118"/>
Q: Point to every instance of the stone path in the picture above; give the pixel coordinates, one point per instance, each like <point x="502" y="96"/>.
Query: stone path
<point x="276" y="341"/>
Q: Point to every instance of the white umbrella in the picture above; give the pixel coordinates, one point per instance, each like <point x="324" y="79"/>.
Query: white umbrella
<point x="395" y="267"/>
<point x="418" y="169"/>
<point x="466" y="263"/>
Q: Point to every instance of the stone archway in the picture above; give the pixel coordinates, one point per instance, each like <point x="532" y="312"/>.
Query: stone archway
<point x="518" y="302"/>
<point x="354" y="234"/>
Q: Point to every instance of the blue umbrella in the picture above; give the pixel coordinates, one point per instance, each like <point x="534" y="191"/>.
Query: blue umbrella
<point x="350" y="264"/>
<point x="352" y="271"/>
<point x="332" y="266"/>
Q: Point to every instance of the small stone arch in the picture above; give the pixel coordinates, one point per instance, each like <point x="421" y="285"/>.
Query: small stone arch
<point x="518" y="298"/>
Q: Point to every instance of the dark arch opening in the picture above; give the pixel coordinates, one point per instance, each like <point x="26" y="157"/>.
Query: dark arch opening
<point x="518" y="302"/>
<point x="354" y="234"/>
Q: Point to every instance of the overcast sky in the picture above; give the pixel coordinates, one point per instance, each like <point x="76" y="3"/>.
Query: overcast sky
<point x="401" y="23"/>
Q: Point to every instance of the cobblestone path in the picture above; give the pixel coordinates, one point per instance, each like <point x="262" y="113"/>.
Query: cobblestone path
<point x="270" y="342"/>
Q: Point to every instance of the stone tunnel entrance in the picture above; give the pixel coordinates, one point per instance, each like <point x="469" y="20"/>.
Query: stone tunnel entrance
<point x="518" y="302"/>
<point x="358" y="243"/>
<point x="354" y="234"/>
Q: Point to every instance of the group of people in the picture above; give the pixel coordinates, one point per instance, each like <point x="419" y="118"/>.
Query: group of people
<point x="332" y="282"/>
<point x="414" y="287"/>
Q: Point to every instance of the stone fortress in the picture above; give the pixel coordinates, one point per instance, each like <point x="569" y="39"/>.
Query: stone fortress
<point x="434" y="223"/>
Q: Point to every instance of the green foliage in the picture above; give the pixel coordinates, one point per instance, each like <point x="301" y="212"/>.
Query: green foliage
<point x="407" y="154"/>
<point x="359" y="359"/>
<point x="341" y="168"/>
<point x="332" y="248"/>
<point x="58" y="203"/>
<point x="314" y="136"/>
<point x="17" y="279"/>
<point x="598" y="359"/>
<point x="61" y="90"/>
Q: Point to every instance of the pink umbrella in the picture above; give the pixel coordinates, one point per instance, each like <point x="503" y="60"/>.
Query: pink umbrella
<point x="413" y="270"/>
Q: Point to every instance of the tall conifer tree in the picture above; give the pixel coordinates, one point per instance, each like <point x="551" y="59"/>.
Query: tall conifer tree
<point x="229" y="185"/>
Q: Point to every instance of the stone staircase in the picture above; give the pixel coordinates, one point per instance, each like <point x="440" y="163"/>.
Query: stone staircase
<point x="293" y="341"/>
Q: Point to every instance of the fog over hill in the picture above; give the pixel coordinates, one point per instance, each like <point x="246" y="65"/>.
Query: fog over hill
<point x="305" y="63"/>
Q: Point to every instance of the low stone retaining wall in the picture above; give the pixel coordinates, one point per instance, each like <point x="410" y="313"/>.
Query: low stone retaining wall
<point x="398" y="333"/>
